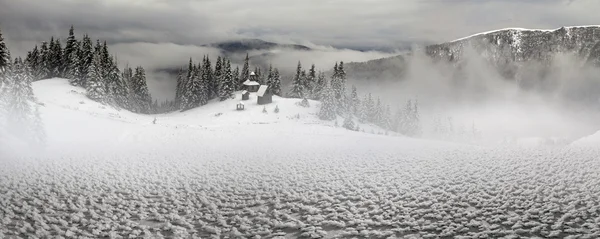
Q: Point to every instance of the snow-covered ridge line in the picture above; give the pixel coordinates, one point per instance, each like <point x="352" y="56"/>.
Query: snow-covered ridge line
<point x="521" y="29"/>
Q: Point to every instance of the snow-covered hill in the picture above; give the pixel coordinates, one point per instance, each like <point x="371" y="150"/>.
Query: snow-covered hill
<point x="73" y="121"/>
<point x="110" y="173"/>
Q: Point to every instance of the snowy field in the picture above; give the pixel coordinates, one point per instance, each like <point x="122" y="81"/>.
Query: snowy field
<point x="108" y="173"/>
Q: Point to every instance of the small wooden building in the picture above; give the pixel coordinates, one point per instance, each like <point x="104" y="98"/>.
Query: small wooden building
<point x="264" y="97"/>
<point x="251" y="86"/>
<point x="245" y="95"/>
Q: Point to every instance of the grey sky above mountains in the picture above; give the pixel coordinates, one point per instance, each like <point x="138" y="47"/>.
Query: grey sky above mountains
<point x="340" y="23"/>
<point x="165" y="33"/>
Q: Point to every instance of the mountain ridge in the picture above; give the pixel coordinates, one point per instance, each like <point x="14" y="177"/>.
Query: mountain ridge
<point x="506" y="49"/>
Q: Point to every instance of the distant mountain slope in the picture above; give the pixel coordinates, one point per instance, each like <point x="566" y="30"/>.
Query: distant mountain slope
<point x="505" y="49"/>
<point x="244" y="45"/>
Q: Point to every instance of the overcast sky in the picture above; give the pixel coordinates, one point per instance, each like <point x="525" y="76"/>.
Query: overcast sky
<point x="173" y="29"/>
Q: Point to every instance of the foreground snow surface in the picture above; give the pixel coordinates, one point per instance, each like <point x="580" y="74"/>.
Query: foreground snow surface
<point x="275" y="177"/>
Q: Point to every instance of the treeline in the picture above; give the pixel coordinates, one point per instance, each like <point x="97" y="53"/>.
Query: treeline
<point x="92" y="67"/>
<point x="337" y="101"/>
<point x="200" y="83"/>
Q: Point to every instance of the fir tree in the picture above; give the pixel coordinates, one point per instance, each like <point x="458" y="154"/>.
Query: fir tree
<point x="311" y="82"/>
<point x="85" y="56"/>
<point x="5" y="58"/>
<point x="33" y="59"/>
<point x="56" y="54"/>
<point x="179" y="88"/>
<point x="349" y="123"/>
<point x="297" y="84"/>
<point x="96" y="89"/>
<point x="245" y="74"/>
<point x="275" y="86"/>
<point x="71" y="58"/>
<point x="24" y="120"/>
<point x="208" y="78"/>
<point x="44" y="61"/>
<point x="338" y="83"/>
<point x="118" y="87"/>
<point x="143" y="100"/>
<point x="236" y="79"/>
<point x="328" y="109"/>
<point x="354" y="101"/>
<point x="320" y="85"/>
<point x="226" y="88"/>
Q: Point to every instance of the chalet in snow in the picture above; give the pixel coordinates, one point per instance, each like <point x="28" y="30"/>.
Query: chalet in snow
<point x="251" y="84"/>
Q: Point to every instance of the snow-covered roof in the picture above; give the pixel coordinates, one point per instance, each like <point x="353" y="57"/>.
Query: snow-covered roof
<point x="244" y="92"/>
<point x="252" y="73"/>
<point x="251" y="82"/>
<point x="261" y="91"/>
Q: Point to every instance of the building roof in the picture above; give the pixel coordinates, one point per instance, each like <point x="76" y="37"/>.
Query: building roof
<point x="244" y="92"/>
<point x="262" y="90"/>
<point x="250" y="82"/>
<point x="252" y="73"/>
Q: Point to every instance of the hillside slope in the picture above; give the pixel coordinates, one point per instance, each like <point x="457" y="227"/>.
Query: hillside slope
<point x="72" y="120"/>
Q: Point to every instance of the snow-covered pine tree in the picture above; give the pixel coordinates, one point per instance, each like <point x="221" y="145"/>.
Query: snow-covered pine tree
<point x="193" y="89"/>
<point x="32" y="61"/>
<point x="236" y="79"/>
<point x="370" y="108"/>
<point x="56" y="53"/>
<point x="378" y="119"/>
<point x="276" y="83"/>
<point x="69" y="63"/>
<point x="24" y="119"/>
<point x="207" y="78"/>
<point x="44" y="61"/>
<point x="245" y="74"/>
<point x="338" y="83"/>
<point x="328" y="109"/>
<point x="96" y="89"/>
<point x="311" y="82"/>
<point x="363" y="110"/>
<point x="5" y="84"/>
<point x="107" y="61"/>
<point x="142" y="98"/>
<point x="203" y="88"/>
<point x="269" y="81"/>
<point x="349" y="122"/>
<point x="118" y="87"/>
<point x="297" y="84"/>
<point x="227" y="82"/>
<point x="354" y="101"/>
<point x="218" y="77"/>
<point x="320" y="85"/>
<point x="179" y="88"/>
<point x="5" y="58"/>
<point x="86" y="56"/>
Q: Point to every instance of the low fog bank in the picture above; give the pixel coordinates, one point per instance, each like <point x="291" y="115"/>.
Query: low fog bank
<point x="556" y="102"/>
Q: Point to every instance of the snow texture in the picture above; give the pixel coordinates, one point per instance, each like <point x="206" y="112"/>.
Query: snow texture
<point x="246" y="174"/>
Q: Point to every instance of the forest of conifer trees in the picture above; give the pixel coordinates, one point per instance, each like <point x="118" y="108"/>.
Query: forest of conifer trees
<point x="91" y="66"/>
